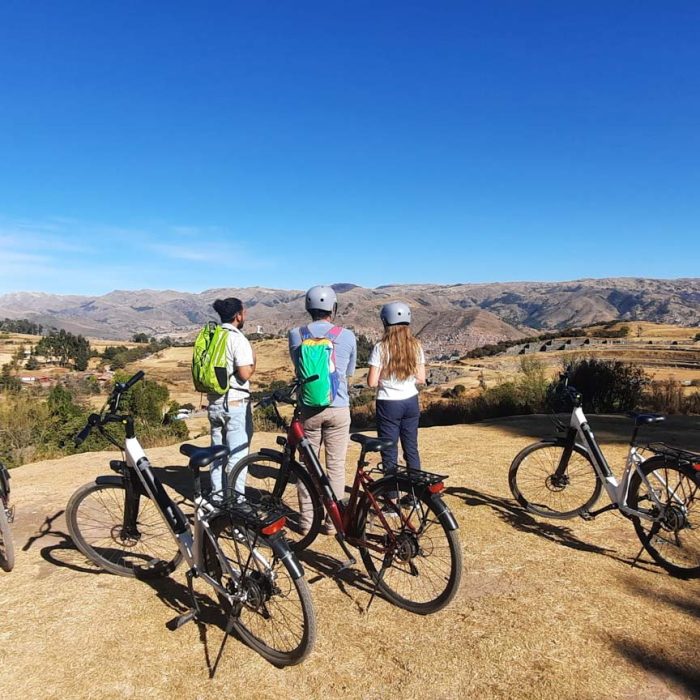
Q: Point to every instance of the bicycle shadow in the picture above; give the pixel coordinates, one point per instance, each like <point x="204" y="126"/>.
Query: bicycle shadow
<point x="327" y="566"/>
<point x="63" y="553"/>
<point x="176" y="597"/>
<point x="519" y="519"/>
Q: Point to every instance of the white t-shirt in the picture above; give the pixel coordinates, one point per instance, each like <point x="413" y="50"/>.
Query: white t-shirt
<point x="391" y="388"/>
<point x="238" y="354"/>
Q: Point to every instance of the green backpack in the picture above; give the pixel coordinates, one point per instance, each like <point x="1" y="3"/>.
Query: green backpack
<point x="317" y="358"/>
<point x="209" y="372"/>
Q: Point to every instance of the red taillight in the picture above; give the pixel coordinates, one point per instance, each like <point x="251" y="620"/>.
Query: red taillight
<point x="272" y="528"/>
<point x="436" y="488"/>
<point x="696" y="467"/>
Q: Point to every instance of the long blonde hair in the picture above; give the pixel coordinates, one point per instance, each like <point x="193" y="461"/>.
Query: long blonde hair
<point x="400" y="352"/>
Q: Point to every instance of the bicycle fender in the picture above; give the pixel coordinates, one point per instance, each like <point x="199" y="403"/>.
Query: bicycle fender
<point x="444" y="513"/>
<point x="561" y="442"/>
<point x="270" y="453"/>
<point x="285" y="555"/>
<point x="115" y="480"/>
<point x="119" y="481"/>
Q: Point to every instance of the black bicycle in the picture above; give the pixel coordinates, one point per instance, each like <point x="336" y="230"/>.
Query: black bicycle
<point x="128" y="525"/>
<point x="7" y="515"/>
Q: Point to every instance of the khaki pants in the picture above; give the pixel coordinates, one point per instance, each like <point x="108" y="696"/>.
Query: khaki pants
<point x="329" y="427"/>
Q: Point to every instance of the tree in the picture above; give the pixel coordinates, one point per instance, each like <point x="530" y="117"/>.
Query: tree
<point x="140" y="338"/>
<point x="8" y="382"/>
<point x="64" y="347"/>
<point x="364" y="349"/>
<point x="32" y="363"/>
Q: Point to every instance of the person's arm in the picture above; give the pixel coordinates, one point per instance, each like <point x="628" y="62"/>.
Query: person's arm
<point x="353" y="359"/>
<point x="375" y="367"/>
<point x="245" y="372"/>
<point x="294" y="340"/>
<point x="244" y="361"/>
<point x="420" y="368"/>
<point x="373" y="377"/>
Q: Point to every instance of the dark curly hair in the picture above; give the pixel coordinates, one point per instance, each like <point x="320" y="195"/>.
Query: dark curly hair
<point x="228" y="308"/>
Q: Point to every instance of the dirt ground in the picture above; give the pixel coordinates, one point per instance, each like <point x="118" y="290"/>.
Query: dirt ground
<point x="546" y="609"/>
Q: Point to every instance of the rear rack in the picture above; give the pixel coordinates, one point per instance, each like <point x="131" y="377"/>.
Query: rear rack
<point x="675" y="453"/>
<point x="417" y="476"/>
<point x="254" y="516"/>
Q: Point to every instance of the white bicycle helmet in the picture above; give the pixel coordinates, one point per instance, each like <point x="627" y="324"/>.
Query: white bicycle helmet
<point x="395" y="314"/>
<point x="320" y="298"/>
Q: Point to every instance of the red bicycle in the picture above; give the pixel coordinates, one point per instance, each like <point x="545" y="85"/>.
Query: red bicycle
<point x="404" y="531"/>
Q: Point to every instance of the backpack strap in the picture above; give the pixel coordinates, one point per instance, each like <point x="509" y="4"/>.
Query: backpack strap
<point x="333" y="333"/>
<point x="305" y="333"/>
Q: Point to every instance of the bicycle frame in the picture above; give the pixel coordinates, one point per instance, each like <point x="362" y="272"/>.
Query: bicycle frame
<point x="616" y="490"/>
<point x="342" y="514"/>
<point x="190" y="541"/>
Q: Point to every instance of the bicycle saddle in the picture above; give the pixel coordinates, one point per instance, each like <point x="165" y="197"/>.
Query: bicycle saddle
<point x="372" y="444"/>
<point x="201" y="456"/>
<point x="644" y="418"/>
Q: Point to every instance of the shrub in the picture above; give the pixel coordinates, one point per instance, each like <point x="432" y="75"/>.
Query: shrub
<point x="264" y="419"/>
<point x="607" y="385"/>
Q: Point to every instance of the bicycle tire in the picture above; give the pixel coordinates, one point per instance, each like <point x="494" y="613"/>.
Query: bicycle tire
<point x="95" y="516"/>
<point x="581" y="484"/>
<point x="674" y="540"/>
<point x="277" y="618"/>
<point x="424" y="572"/>
<point x="264" y="471"/>
<point x="7" y="544"/>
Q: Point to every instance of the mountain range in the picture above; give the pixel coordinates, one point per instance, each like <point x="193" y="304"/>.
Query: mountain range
<point x="447" y="318"/>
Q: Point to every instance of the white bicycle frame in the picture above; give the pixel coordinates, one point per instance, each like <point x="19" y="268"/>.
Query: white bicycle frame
<point x="617" y="491"/>
<point x="190" y="543"/>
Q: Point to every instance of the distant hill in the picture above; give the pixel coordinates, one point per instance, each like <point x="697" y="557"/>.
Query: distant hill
<point x="448" y="318"/>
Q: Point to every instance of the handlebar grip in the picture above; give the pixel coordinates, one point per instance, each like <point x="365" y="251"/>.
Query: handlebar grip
<point x="136" y="378"/>
<point x="80" y="438"/>
<point x="312" y="378"/>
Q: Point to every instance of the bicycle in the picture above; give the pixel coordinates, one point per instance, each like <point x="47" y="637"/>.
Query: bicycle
<point x="562" y="477"/>
<point x="404" y="531"/>
<point x="128" y="525"/>
<point x="7" y="515"/>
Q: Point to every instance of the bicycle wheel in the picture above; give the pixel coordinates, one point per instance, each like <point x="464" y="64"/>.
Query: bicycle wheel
<point x="535" y="484"/>
<point x="420" y="566"/>
<point x="264" y="473"/>
<point x="273" y="614"/>
<point x="7" y="545"/>
<point x="95" y="517"/>
<point x="673" y="537"/>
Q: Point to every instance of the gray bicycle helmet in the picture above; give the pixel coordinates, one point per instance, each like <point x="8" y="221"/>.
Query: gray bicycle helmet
<point x="320" y="298"/>
<point x="395" y="314"/>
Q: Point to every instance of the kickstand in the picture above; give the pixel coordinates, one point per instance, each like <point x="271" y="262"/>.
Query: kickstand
<point x="385" y="565"/>
<point x="350" y="561"/>
<point x="194" y="612"/>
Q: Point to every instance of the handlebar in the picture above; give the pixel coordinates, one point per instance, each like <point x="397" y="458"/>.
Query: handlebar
<point x="286" y="394"/>
<point x="98" y="420"/>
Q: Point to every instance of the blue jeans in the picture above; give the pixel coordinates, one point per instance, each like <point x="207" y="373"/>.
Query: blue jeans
<point x="234" y="428"/>
<point x="399" y="420"/>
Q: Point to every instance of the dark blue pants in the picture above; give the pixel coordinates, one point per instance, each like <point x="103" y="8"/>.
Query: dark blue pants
<point x="399" y="420"/>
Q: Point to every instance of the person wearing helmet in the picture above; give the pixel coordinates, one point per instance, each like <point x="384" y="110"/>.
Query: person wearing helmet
<point x="327" y="425"/>
<point x="396" y="365"/>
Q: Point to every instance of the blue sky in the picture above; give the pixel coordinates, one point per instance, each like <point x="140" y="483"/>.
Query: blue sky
<point x="174" y="145"/>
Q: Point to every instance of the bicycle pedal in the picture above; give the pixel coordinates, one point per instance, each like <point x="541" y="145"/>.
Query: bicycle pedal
<point x="183" y="619"/>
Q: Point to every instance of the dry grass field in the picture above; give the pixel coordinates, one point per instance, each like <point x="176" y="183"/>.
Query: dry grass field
<point x="546" y="609"/>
